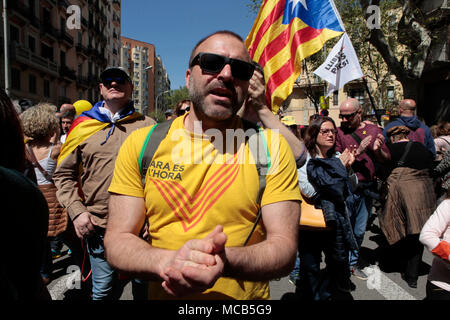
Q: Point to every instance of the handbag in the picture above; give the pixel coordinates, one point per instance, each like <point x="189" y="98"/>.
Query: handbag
<point x="311" y="218"/>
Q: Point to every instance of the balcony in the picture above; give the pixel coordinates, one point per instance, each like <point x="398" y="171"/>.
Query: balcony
<point x="19" y="8"/>
<point x="63" y="4"/>
<point x="48" y="30"/>
<point x="83" y="82"/>
<point x="67" y="73"/>
<point x="65" y="37"/>
<point x="92" y="80"/>
<point x="84" y="22"/>
<point x="116" y="20"/>
<point x="81" y="50"/>
<point x="23" y="55"/>
<point x="116" y="5"/>
<point x="63" y="100"/>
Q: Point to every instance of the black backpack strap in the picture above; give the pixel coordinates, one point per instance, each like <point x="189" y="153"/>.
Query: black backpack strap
<point x="151" y="144"/>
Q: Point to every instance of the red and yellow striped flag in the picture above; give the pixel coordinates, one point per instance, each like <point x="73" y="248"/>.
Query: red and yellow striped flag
<point x="284" y="33"/>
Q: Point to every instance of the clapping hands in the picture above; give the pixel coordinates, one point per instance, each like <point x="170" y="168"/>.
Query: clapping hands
<point x="348" y="157"/>
<point x="197" y="265"/>
<point x="379" y="141"/>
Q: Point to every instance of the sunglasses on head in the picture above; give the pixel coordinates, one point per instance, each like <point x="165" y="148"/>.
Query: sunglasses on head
<point x="119" y="80"/>
<point x="347" y="116"/>
<point x="214" y="63"/>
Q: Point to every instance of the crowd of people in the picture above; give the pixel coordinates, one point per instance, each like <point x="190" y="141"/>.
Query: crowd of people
<point x="184" y="211"/>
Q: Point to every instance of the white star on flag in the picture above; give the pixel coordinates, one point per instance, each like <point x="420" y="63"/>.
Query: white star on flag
<point x="295" y="2"/>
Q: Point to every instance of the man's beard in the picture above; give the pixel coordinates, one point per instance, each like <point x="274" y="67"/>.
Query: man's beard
<point x="203" y="110"/>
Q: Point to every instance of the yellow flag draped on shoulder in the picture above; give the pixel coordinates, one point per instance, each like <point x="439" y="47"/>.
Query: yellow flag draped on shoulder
<point x="87" y="125"/>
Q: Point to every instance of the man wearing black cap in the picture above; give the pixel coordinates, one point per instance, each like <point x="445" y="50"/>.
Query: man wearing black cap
<point x="88" y="156"/>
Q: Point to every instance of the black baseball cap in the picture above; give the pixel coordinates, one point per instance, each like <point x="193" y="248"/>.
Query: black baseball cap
<point x="111" y="71"/>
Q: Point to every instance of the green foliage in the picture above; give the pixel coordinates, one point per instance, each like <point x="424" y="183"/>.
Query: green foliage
<point x="176" y="95"/>
<point x="158" y="116"/>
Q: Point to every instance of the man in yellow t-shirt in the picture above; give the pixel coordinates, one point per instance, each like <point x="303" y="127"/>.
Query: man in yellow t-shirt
<point x="200" y="195"/>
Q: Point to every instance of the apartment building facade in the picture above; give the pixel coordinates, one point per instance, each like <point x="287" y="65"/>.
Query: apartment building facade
<point x="58" y="48"/>
<point x="162" y="84"/>
<point x="138" y="58"/>
<point x="149" y="76"/>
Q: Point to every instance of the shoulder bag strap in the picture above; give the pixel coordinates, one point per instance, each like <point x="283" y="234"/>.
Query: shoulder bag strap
<point x="401" y="162"/>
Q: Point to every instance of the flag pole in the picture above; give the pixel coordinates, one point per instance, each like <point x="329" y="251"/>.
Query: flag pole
<point x="310" y="87"/>
<point x="372" y="103"/>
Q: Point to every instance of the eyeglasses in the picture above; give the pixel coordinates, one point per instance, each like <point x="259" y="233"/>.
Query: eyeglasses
<point x="347" y="116"/>
<point x="214" y="63"/>
<point x="108" y="80"/>
<point x="183" y="111"/>
<point x="327" y="131"/>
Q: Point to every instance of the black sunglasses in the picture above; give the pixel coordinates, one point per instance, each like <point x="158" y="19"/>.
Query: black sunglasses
<point x="347" y="116"/>
<point x="119" y="80"/>
<point x="214" y="63"/>
<point x="183" y="111"/>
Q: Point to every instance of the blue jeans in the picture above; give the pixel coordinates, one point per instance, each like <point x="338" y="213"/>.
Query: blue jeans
<point x="105" y="280"/>
<point x="294" y="275"/>
<point x="359" y="223"/>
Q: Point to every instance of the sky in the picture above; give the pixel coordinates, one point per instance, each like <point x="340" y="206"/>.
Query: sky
<point x="174" y="27"/>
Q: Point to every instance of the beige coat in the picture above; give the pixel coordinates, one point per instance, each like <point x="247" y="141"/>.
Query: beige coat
<point x="90" y="166"/>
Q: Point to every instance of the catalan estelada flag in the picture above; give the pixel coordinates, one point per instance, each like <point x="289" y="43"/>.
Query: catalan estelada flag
<point x="284" y="33"/>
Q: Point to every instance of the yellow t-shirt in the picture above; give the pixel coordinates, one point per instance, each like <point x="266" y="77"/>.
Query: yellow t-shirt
<point x="191" y="187"/>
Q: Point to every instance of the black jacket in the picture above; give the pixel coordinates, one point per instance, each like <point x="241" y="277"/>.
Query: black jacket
<point x="330" y="179"/>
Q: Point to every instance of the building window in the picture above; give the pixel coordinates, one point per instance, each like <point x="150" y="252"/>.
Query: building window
<point x="47" y="52"/>
<point x="15" y="79"/>
<point x="32" y="84"/>
<point x="63" y="58"/>
<point x="14" y="33"/>
<point x="390" y="94"/>
<point x="32" y="44"/>
<point x="47" y="88"/>
<point x="358" y="94"/>
<point x="335" y="98"/>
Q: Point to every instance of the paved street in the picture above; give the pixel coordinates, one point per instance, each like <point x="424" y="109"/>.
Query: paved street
<point x="384" y="281"/>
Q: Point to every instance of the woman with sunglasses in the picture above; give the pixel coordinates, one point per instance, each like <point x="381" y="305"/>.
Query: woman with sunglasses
<point x="182" y="107"/>
<point x="325" y="164"/>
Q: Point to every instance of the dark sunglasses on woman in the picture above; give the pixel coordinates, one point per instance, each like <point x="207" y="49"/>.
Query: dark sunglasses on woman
<point x="183" y="111"/>
<point x="214" y="63"/>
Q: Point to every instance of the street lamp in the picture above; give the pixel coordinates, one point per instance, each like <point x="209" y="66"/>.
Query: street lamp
<point x="156" y="104"/>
